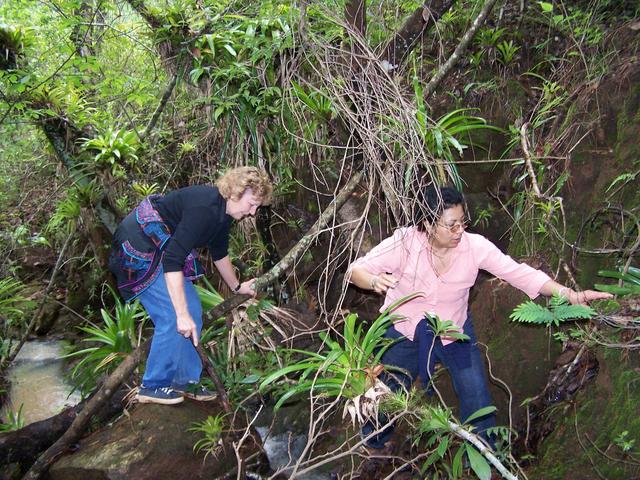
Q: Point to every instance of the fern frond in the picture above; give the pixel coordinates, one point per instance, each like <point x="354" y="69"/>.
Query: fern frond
<point x="531" y="312"/>
<point x="557" y="301"/>
<point x="567" y="312"/>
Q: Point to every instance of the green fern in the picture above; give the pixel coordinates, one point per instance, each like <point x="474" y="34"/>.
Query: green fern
<point x="559" y="311"/>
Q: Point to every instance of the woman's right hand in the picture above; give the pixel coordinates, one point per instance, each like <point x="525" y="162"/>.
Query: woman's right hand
<point x="382" y="282"/>
<point x="187" y="328"/>
<point x="248" y="287"/>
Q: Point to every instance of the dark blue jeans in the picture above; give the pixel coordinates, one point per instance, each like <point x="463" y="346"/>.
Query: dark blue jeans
<point x="461" y="358"/>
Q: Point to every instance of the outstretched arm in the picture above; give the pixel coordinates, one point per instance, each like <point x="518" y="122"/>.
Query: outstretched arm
<point x="575" y="298"/>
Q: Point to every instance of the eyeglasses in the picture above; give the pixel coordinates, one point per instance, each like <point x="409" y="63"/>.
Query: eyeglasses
<point x="455" y="227"/>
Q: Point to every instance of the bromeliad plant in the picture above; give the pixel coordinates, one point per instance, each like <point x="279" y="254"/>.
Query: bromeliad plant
<point x="115" y="150"/>
<point x="347" y="369"/>
<point x="211" y="440"/>
<point x="112" y="342"/>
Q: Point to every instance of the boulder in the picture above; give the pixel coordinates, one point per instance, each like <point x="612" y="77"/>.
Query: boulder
<point x="153" y="442"/>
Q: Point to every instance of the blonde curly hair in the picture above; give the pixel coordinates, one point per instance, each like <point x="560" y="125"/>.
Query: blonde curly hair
<point x="233" y="183"/>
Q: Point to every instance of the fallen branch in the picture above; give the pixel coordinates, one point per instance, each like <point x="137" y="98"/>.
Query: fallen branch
<point x="163" y="102"/>
<point x="482" y="448"/>
<point x="457" y="53"/>
<point x="303" y="244"/>
<point x="222" y="393"/>
<point x="24" y="445"/>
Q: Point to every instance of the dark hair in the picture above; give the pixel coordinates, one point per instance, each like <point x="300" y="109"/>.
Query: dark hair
<point x="431" y="201"/>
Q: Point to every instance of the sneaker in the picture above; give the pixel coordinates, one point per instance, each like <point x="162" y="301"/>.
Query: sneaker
<point x="162" y="395"/>
<point x="195" y="391"/>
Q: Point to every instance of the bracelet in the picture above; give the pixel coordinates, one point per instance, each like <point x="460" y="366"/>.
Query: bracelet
<point x="235" y="290"/>
<point x="560" y="294"/>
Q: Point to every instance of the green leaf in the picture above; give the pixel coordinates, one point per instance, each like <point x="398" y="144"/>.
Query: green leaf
<point x="480" y="413"/>
<point x="442" y="446"/>
<point x="565" y="312"/>
<point x="217" y="112"/>
<point x="546" y="7"/>
<point x="457" y="463"/>
<point x="478" y="463"/>
<point x="615" y="289"/>
<point x="253" y="378"/>
<point x="230" y="49"/>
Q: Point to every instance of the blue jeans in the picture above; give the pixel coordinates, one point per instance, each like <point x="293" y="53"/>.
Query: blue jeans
<point x="173" y="360"/>
<point x="463" y="361"/>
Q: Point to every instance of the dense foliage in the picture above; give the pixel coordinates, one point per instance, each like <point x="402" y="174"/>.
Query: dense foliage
<point x="104" y="103"/>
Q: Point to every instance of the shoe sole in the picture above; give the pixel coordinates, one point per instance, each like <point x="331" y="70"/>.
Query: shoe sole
<point x="161" y="401"/>
<point x="199" y="398"/>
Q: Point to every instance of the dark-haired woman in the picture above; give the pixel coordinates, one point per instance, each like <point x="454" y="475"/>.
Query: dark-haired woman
<point x="439" y="259"/>
<point x="154" y="260"/>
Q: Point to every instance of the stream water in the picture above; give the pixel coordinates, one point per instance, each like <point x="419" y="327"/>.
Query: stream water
<point x="284" y="449"/>
<point x="37" y="382"/>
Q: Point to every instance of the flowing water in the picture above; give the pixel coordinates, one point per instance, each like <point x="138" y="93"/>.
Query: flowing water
<point x="37" y="382"/>
<point x="284" y="449"/>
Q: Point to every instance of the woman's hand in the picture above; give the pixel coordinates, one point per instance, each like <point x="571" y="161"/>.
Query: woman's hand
<point x="575" y="298"/>
<point x="382" y="282"/>
<point x="247" y="288"/>
<point x="583" y="298"/>
<point x="187" y="327"/>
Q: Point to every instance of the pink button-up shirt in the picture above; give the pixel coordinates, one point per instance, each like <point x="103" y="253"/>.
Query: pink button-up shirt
<point x="407" y="255"/>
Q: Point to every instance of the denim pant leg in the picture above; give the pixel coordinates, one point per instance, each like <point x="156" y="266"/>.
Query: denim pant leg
<point x="170" y="352"/>
<point x="402" y="354"/>
<point x="466" y="368"/>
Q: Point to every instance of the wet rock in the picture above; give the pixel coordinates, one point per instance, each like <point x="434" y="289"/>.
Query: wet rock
<point x="153" y="442"/>
<point x="48" y="316"/>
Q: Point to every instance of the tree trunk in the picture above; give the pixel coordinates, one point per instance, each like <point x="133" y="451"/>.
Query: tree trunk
<point x="411" y="32"/>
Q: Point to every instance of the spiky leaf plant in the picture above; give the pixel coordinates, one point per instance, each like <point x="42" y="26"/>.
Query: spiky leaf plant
<point x="347" y="369"/>
<point x="111" y="342"/>
<point x="211" y="441"/>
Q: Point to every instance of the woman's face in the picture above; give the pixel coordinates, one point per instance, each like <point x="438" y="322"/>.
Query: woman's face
<point x="246" y="205"/>
<point x="447" y="231"/>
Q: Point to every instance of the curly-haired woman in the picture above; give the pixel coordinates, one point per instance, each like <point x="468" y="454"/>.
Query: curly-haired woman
<point x="154" y="260"/>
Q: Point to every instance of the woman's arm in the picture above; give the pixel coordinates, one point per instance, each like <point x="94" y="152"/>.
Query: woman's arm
<point x="366" y="280"/>
<point x="184" y="323"/>
<point x="575" y="298"/>
<point x="526" y="278"/>
<point x="225" y="268"/>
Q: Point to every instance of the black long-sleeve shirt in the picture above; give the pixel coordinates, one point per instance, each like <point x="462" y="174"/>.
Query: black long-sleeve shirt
<point x="196" y="217"/>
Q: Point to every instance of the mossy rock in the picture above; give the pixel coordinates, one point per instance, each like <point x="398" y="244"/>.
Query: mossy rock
<point x="582" y="443"/>
<point x="153" y="442"/>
